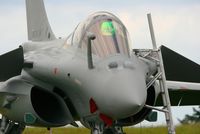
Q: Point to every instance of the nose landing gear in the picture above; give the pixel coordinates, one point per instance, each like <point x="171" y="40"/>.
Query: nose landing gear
<point x="102" y="129"/>
<point x="9" y="127"/>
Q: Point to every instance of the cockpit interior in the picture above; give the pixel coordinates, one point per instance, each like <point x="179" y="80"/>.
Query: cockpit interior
<point x="111" y="35"/>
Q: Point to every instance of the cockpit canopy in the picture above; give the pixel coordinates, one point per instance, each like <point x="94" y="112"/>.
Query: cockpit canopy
<point x="111" y="35"/>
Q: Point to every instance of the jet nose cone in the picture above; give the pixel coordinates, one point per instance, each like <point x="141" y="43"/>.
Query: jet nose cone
<point x="125" y="96"/>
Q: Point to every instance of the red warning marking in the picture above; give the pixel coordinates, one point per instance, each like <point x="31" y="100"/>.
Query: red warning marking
<point x="107" y="120"/>
<point x="55" y="71"/>
<point x="93" y="106"/>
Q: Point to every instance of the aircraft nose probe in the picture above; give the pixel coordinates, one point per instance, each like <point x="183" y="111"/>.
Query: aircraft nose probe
<point x="90" y="37"/>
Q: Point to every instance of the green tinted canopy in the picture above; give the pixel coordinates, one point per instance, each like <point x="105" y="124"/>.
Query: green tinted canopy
<point x="107" y="28"/>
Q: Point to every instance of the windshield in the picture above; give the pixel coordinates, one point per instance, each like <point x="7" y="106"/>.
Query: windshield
<point x="111" y="36"/>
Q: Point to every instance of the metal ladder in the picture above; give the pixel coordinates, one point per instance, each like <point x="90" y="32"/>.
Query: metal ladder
<point x="165" y="96"/>
<point x="156" y="56"/>
<point x="162" y="81"/>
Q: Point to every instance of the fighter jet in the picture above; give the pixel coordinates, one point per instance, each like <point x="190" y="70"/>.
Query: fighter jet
<point x="92" y="76"/>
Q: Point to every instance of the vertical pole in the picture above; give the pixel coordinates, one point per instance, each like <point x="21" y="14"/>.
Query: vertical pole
<point x="50" y="130"/>
<point x="153" y="39"/>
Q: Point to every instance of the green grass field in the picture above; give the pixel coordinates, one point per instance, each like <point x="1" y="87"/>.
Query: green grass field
<point x="183" y="129"/>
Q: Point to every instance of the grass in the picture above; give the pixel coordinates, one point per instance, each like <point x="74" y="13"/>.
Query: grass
<point x="57" y="131"/>
<point x="183" y="129"/>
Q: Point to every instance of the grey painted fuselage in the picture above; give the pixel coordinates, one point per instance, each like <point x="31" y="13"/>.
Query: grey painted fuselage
<point x="118" y="92"/>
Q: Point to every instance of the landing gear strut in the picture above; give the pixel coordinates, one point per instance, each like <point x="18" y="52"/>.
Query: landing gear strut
<point x="9" y="127"/>
<point x="102" y="129"/>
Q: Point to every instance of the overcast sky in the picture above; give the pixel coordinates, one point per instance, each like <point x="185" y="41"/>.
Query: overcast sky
<point x="176" y="23"/>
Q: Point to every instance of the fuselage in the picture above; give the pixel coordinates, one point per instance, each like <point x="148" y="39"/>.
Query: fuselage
<point x="117" y="83"/>
<point x="98" y="80"/>
<point x="104" y="81"/>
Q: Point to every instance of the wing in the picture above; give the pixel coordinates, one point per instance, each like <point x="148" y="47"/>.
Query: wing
<point x="11" y="64"/>
<point x="37" y="22"/>
<point x="179" y="68"/>
<point x="183" y="79"/>
<point x="182" y="93"/>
